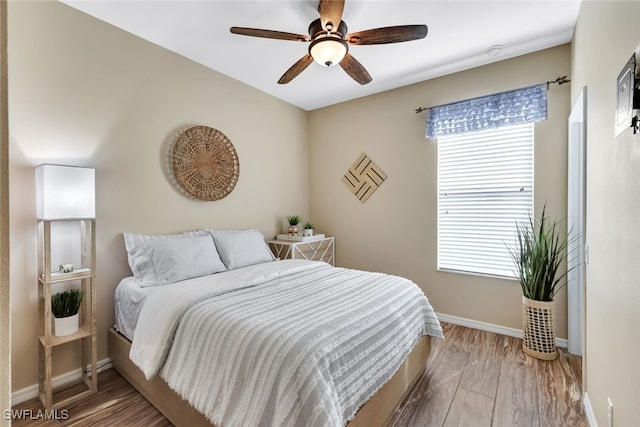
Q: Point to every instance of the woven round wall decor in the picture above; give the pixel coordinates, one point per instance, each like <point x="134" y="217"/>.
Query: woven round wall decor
<point x="205" y="163"/>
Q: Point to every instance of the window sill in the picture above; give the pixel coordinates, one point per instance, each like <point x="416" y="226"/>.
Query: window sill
<point x="471" y="273"/>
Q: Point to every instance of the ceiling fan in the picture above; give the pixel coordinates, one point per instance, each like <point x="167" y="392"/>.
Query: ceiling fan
<point x="330" y="41"/>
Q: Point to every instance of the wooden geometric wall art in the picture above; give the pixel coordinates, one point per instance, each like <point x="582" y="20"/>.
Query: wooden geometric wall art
<point x="364" y="177"/>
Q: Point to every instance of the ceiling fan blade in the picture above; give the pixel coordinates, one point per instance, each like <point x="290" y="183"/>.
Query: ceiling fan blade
<point x="355" y="69"/>
<point x="330" y="13"/>
<point x="269" y="34"/>
<point x="296" y="69"/>
<point x="397" y="34"/>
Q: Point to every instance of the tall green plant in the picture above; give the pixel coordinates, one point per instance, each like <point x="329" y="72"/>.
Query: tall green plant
<point x="66" y="303"/>
<point x="539" y="255"/>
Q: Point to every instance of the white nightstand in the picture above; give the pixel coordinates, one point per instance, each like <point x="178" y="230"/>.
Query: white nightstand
<point x="315" y="250"/>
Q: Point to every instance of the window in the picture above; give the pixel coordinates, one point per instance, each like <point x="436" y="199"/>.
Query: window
<point x="485" y="176"/>
<point x="485" y="185"/>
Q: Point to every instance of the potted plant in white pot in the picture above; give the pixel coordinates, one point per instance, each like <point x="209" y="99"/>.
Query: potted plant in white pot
<point x="540" y="256"/>
<point x="308" y="229"/>
<point x="65" y="306"/>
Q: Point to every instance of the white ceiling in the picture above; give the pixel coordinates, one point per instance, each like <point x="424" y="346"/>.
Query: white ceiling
<point x="460" y="32"/>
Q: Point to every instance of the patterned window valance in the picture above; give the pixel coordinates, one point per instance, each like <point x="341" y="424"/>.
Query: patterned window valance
<point x="513" y="107"/>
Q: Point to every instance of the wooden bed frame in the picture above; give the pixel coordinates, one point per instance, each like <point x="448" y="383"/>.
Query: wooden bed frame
<point x="378" y="411"/>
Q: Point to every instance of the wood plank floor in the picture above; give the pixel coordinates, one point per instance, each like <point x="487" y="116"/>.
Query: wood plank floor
<point x="473" y="379"/>
<point x="476" y="379"/>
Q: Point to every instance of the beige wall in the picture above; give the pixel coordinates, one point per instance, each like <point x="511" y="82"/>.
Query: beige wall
<point x="606" y="35"/>
<point x="85" y="93"/>
<point x="5" y="313"/>
<point x="395" y="231"/>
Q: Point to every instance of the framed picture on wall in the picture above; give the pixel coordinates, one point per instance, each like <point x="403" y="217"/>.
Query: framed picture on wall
<point x="624" y="97"/>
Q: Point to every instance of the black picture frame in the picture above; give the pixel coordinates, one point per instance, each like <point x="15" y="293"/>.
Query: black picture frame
<point x="625" y="88"/>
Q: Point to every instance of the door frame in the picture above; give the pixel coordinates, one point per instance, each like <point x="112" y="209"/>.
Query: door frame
<point x="577" y="221"/>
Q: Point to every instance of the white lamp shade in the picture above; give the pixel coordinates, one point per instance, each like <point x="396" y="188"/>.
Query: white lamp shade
<point x="328" y="51"/>
<point x="65" y="192"/>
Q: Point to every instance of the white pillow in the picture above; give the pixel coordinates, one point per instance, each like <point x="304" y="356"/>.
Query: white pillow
<point x="138" y="261"/>
<point x="173" y="260"/>
<point x="241" y="248"/>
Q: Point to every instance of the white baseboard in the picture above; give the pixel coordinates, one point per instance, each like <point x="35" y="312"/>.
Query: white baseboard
<point x="490" y="327"/>
<point x="588" y="411"/>
<point x="30" y="392"/>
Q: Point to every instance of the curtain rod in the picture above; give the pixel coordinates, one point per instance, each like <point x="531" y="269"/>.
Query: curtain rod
<point x="559" y="81"/>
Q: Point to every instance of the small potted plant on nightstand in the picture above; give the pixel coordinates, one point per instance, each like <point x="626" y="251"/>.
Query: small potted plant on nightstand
<point x="293" y="221"/>
<point x="308" y="229"/>
<point x="65" y="306"/>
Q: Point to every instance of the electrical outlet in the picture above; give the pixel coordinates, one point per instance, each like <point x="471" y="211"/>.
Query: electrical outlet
<point x="609" y="412"/>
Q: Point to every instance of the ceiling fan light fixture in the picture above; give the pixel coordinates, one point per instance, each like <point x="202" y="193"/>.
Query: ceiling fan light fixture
<point x="328" y="51"/>
<point x="330" y="41"/>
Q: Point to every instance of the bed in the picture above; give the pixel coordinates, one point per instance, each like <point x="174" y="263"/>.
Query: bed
<point x="214" y="331"/>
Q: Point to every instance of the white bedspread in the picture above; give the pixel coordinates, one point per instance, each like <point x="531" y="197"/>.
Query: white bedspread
<point x="128" y="300"/>
<point x="285" y="343"/>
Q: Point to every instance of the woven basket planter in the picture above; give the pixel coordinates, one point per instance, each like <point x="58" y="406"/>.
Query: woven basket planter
<point x="538" y="333"/>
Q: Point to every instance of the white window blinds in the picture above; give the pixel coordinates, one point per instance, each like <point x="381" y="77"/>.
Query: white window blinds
<point x="485" y="185"/>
